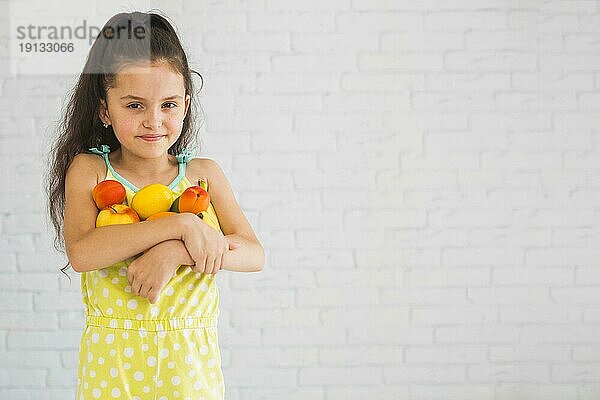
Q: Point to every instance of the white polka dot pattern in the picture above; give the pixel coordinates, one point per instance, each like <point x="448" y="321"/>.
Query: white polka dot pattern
<point x="176" y="365"/>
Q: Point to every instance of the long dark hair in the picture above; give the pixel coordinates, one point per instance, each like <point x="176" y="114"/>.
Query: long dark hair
<point x="81" y="127"/>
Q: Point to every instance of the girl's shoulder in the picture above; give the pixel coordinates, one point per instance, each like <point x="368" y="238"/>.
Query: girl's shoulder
<point x="212" y="171"/>
<point x="199" y="168"/>
<point x="199" y="162"/>
<point x="96" y="163"/>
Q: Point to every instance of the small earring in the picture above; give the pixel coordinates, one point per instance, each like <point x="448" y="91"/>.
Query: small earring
<point x="105" y="125"/>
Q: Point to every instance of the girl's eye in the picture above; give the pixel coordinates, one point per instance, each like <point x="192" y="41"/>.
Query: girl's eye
<point x="138" y="104"/>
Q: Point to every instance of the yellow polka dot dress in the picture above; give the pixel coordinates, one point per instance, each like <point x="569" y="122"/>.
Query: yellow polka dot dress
<point x="132" y="349"/>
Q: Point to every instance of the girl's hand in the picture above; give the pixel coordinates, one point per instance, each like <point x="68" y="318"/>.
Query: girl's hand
<point x="205" y="245"/>
<point x="149" y="273"/>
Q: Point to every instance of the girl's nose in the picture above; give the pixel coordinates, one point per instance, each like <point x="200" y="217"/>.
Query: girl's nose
<point x="153" y="119"/>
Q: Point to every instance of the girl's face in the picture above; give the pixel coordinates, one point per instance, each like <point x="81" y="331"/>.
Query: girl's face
<point x="147" y="100"/>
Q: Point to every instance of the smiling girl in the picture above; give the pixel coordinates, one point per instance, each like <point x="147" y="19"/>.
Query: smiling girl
<point x="149" y="288"/>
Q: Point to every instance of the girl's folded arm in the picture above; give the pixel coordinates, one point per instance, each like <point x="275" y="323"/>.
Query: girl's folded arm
<point x="88" y="247"/>
<point x="106" y="245"/>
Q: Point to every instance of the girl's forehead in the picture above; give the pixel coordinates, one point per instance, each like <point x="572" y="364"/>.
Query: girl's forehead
<point x="147" y="67"/>
<point x="148" y="79"/>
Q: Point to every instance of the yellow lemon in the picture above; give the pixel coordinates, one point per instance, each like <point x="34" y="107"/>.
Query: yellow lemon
<point x="152" y="199"/>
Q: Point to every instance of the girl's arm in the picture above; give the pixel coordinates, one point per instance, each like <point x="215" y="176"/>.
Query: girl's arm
<point x="106" y="245"/>
<point x="248" y="257"/>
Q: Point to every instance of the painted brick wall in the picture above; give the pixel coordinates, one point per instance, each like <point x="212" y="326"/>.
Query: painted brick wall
<point x="422" y="174"/>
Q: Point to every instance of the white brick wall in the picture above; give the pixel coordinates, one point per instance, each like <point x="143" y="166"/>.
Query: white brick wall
<point x="422" y="174"/>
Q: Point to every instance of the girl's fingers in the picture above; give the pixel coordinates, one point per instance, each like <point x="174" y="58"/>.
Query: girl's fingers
<point x="135" y="287"/>
<point x="130" y="276"/>
<point x="205" y="270"/>
<point x="144" y="291"/>
<point x="200" y="266"/>
<point x="210" y="266"/>
<point x="218" y="264"/>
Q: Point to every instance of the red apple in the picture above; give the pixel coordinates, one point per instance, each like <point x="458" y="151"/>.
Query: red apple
<point x="108" y="192"/>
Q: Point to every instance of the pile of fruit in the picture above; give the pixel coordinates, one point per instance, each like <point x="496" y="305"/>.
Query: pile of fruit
<point x="150" y="202"/>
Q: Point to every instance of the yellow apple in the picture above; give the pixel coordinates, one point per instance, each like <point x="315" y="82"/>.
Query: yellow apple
<point x="116" y="214"/>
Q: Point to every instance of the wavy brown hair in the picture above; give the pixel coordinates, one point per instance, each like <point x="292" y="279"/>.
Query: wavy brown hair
<point x="80" y="126"/>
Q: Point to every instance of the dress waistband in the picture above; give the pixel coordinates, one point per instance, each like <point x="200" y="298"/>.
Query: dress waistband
<point x="152" y="325"/>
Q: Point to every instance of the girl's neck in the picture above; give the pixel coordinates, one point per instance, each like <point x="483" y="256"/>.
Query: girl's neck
<point x="151" y="167"/>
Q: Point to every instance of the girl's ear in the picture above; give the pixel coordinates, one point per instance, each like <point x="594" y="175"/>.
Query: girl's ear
<point x="103" y="111"/>
<point x="187" y="104"/>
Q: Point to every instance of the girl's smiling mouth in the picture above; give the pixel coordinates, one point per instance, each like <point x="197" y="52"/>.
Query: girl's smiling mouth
<point x="151" y="138"/>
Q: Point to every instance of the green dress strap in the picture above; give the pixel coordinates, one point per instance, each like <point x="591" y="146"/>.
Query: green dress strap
<point x="183" y="157"/>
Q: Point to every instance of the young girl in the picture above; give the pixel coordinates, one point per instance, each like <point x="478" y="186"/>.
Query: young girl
<point x="149" y="287"/>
